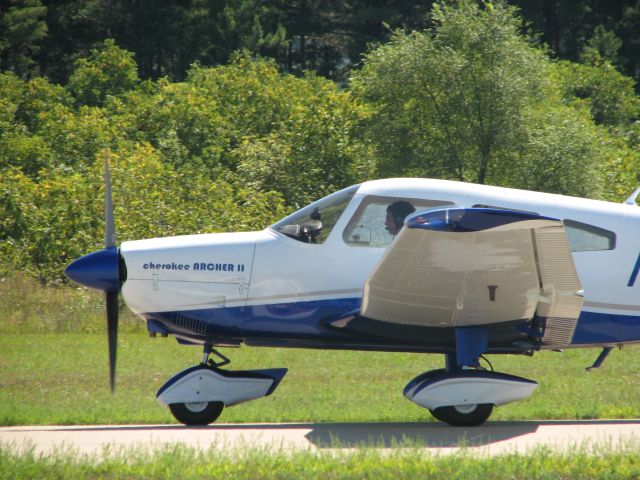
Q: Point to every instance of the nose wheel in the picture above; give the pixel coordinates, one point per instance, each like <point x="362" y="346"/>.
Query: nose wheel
<point x="197" y="395"/>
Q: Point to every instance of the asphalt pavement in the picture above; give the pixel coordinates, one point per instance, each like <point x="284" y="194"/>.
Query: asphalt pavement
<point x="489" y="439"/>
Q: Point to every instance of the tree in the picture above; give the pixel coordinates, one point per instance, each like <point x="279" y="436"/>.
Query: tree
<point x="471" y="99"/>
<point x="603" y="45"/>
<point x="231" y="148"/>
<point x="296" y="136"/>
<point x="107" y="71"/>
<point x="46" y="223"/>
<point x="610" y="95"/>
<point x="22" y="29"/>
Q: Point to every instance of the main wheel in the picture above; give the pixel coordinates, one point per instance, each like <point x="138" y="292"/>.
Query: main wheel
<point x="199" y="413"/>
<point x="464" y="415"/>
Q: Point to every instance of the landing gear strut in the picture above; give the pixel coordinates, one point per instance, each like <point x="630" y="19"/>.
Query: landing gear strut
<point x="208" y="350"/>
<point x="197" y="395"/>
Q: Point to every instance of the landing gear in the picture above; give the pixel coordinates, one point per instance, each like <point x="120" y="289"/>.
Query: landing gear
<point x="463" y="415"/>
<point x="196" y="413"/>
<point x="197" y="395"/>
<point x="201" y="413"/>
<point x="465" y="397"/>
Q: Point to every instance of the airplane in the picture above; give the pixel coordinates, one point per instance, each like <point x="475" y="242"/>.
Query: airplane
<point x="392" y="265"/>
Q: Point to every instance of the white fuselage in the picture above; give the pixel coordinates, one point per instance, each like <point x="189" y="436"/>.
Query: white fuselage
<point x="271" y="282"/>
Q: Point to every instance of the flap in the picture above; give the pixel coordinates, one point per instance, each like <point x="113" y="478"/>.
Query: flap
<point x="460" y="267"/>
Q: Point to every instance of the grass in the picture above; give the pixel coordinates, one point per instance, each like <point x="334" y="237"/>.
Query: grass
<point x="186" y="463"/>
<point x="28" y="307"/>
<point x="62" y="379"/>
<point x="54" y="370"/>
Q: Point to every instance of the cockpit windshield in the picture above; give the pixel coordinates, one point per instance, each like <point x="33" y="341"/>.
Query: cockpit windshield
<point x="313" y="223"/>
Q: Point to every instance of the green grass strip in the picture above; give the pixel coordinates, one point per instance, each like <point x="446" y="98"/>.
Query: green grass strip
<point x="187" y="463"/>
<point x="62" y="379"/>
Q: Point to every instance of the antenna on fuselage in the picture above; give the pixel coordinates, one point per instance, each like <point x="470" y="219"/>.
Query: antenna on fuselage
<point x="632" y="198"/>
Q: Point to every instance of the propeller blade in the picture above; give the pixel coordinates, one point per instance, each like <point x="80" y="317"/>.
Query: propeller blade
<point x="111" y="297"/>
<point x="110" y="227"/>
<point x="112" y="330"/>
<point x="102" y="270"/>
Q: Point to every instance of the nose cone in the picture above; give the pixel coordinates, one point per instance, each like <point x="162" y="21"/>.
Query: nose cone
<point x="98" y="270"/>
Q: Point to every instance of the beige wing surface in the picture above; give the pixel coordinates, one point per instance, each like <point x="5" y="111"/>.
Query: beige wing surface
<point x="463" y="267"/>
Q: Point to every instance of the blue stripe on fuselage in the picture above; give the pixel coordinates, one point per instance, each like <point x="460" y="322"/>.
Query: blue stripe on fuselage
<point x="597" y="328"/>
<point x="290" y="320"/>
<point x="305" y="322"/>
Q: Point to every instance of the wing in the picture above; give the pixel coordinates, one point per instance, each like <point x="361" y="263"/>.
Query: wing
<point x="466" y="267"/>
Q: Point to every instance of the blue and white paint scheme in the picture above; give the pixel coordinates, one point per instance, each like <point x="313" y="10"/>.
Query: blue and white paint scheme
<point x="475" y="270"/>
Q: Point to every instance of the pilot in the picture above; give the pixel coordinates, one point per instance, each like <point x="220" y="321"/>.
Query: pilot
<point x="396" y="213"/>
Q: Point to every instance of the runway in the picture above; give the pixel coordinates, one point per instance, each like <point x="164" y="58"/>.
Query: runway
<point x="490" y="439"/>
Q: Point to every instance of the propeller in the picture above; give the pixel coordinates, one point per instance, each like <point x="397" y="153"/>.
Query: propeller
<point x="101" y="270"/>
<point x="111" y="298"/>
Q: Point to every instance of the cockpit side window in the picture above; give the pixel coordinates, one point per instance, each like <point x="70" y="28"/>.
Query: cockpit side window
<point x="583" y="237"/>
<point x="367" y="226"/>
<point x="313" y="223"/>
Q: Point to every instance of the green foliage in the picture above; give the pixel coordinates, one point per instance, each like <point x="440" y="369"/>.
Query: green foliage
<point x="454" y="95"/>
<point x="108" y="71"/>
<point x="559" y="154"/>
<point x="236" y="147"/>
<point x="186" y="157"/>
<point x="279" y="133"/>
<point x="22" y="30"/>
<point x="250" y="25"/>
<point x="472" y="100"/>
<point x="40" y="99"/>
<point x="611" y="101"/>
<point x="604" y="44"/>
<point x="27" y="151"/>
<point x="611" y="96"/>
<point x="328" y="37"/>
<point x="296" y="136"/>
<point x="11" y="91"/>
<point x="76" y="136"/>
<point x="29" y="107"/>
<point x="46" y="222"/>
<point x="49" y="222"/>
<point x="620" y="169"/>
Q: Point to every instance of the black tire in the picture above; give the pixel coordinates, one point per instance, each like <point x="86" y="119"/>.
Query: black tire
<point x="464" y="416"/>
<point x="202" y="413"/>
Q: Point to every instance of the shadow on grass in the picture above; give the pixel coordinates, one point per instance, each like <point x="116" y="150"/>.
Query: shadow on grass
<point x="349" y="435"/>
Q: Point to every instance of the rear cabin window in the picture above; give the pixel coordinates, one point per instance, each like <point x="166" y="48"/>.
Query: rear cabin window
<point x="588" y="238"/>
<point x="582" y="237"/>
<point x="367" y="225"/>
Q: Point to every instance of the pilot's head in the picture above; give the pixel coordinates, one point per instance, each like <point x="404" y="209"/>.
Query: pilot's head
<point x="396" y="213"/>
